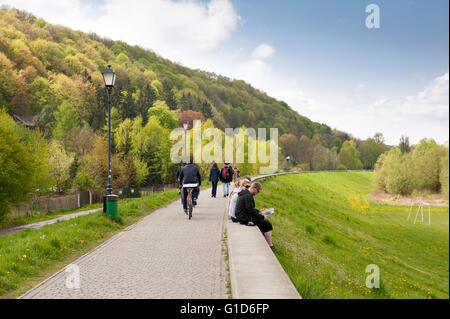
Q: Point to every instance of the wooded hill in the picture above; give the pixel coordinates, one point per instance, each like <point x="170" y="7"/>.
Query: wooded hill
<point x="43" y="65"/>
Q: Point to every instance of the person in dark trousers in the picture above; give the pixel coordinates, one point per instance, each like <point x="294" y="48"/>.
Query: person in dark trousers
<point x="247" y="214"/>
<point x="214" y="175"/>
<point x="178" y="177"/>
<point x="190" y="174"/>
<point x="226" y="176"/>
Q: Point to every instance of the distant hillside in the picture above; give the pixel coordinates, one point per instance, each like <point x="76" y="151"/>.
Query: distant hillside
<point x="43" y="65"/>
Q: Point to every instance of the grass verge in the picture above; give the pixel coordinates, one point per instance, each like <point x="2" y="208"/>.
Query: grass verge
<point x="327" y="232"/>
<point x="30" y="256"/>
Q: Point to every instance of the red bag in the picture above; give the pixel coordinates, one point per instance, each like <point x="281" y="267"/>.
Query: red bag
<point x="225" y="173"/>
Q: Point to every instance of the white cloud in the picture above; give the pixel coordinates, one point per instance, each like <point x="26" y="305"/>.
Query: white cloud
<point x="264" y="51"/>
<point x="423" y="114"/>
<point x="168" y="27"/>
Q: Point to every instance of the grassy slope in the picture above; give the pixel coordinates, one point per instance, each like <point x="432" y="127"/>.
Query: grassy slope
<point x="32" y="255"/>
<point x="326" y="233"/>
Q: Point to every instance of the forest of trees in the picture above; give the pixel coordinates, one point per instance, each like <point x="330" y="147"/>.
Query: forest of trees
<point x="54" y="75"/>
<point x="423" y="167"/>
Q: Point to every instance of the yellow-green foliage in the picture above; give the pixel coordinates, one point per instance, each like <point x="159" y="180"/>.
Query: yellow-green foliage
<point x="424" y="169"/>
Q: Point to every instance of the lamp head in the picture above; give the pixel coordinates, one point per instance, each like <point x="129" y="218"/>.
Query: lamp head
<point x="109" y="76"/>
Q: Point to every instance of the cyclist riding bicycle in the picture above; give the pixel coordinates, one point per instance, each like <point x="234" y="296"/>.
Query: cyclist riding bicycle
<point x="190" y="177"/>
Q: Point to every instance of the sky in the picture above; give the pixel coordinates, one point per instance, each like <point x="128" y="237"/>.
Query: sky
<point x="318" y="56"/>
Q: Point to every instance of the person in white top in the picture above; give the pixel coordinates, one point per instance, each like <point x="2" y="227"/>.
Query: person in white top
<point x="243" y="184"/>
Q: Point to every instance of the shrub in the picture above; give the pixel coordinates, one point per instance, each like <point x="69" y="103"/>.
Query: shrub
<point x="428" y="168"/>
<point x="395" y="172"/>
<point x="82" y="182"/>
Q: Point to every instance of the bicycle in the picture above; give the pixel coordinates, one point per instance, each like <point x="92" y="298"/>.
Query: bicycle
<point x="189" y="199"/>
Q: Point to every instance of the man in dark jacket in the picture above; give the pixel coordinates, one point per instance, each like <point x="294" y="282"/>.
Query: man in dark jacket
<point x="190" y="174"/>
<point x="246" y="213"/>
<point x="214" y="175"/>
<point x="226" y="176"/>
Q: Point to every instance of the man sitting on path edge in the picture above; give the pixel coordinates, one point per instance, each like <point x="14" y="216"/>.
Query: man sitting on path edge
<point x="246" y="212"/>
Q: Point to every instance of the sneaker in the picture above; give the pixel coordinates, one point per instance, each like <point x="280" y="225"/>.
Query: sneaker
<point x="250" y="223"/>
<point x="194" y="202"/>
<point x="186" y="211"/>
<point x="273" y="249"/>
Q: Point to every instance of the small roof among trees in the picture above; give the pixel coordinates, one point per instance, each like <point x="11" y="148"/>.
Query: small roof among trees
<point x="28" y="121"/>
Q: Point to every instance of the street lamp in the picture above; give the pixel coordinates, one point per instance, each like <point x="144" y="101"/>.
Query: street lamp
<point x="109" y="76"/>
<point x="185" y="126"/>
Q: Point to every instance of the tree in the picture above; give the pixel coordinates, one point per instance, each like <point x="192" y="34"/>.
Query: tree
<point x="190" y="116"/>
<point x="349" y="156"/>
<point x="46" y="121"/>
<point x="207" y="110"/>
<point x="147" y="96"/>
<point x="123" y="136"/>
<point x="40" y="95"/>
<point x="305" y="151"/>
<point x="370" y="150"/>
<point x="401" y="179"/>
<point x="60" y="163"/>
<point x="15" y="166"/>
<point x="336" y="144"/>
<point x="290" y="145"/>
<point x="151" y="145"/>
<point x="404" y="144"/>
<point x="8" y="78"/>
<point x="168" y="95"/>
<point x="423" y="147"/>
<point x="395" y="172"/>
<point x="379" y="138"/>
<point x="95" y="163"/>
<point x="116" y="119"/>
<point x="39" y="155"/>
<point x="428" y="168"/>
<point x="66" y="119"/>
<point x="164" y="115"/>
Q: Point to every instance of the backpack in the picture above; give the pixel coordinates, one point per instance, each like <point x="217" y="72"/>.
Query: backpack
<point x="225" y="173"/>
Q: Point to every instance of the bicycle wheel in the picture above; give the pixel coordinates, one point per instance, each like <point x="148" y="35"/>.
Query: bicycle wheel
<point x="190" y="207"/>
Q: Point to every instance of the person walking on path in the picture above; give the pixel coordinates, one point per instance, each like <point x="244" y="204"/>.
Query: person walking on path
<point x="214" y="175"/>
<point x="226" y="176"/>
<point x="246" y="212"/>
<point x="236" y="175"/>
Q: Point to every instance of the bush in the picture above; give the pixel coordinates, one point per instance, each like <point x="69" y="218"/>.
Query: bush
<point x="401" y="178"/>
<point x="82" y="182"/>
<point x="428" y="167"/>
<point x="395" y="172"/>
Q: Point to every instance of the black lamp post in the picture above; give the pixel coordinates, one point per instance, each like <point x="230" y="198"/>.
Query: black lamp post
<point x="185" y="126"/>
<point x="109" y="76"/>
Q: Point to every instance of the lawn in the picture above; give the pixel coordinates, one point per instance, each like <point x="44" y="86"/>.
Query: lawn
<point x="30" y="256"/>
<point x="326" y="233"/>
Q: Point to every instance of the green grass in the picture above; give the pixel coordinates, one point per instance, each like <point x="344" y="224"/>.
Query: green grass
<point x="326" y="233"/>
<point x="11" y="222"/>
<point x="29" y="256"/>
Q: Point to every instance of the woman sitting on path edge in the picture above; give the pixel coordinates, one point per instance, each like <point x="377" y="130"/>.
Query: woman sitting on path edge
<point x="243" y="183"/>
<point x="246" y="212"/>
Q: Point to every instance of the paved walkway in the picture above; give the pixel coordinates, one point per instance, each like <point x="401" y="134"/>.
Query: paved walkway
<point x="37" y="225"/>
<point x="164" y="255"/>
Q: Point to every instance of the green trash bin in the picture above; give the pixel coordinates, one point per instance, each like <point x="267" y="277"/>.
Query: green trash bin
<point x="111" y="205"/>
